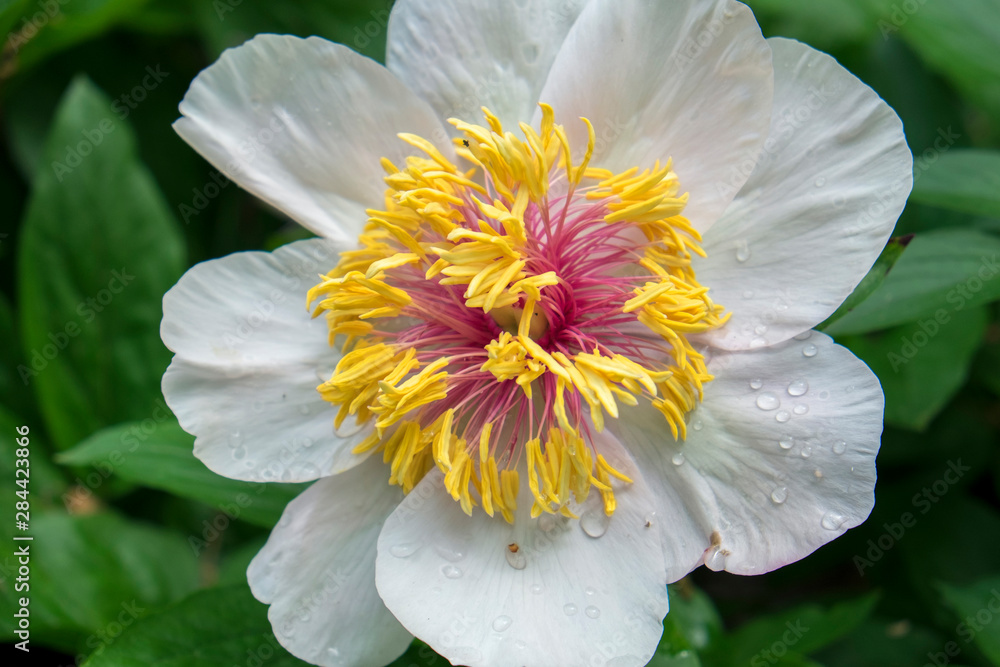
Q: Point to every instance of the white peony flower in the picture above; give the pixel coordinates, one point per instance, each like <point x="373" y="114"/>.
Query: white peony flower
<point x="562" y="343"/>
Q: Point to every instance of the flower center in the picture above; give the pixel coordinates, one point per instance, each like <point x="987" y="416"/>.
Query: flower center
<point x="494" y="315"/>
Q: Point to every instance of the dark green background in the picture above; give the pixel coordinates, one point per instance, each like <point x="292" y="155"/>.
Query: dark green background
<point x="127" y="564"/>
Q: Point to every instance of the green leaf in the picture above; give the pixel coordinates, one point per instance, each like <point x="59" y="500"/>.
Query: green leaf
<point x="221" y="626"/>
<point x="796" y="632"/>
<point x="92" y="574"/>
<point x="957" y="39"/>
<point x="420" y="655"/>
<point x="948" y="270"/>
<point x="974" y="604"/>
<point x="693" y="623"/>
<point x="967" y="181"/>
<point x="922" y="365"/>
<point x="159" y="454"/>
<point x="876" y="276"/>
<point x="880" y="642"/>
<point x="99" y="247"/>
<point x="823" y="23"/>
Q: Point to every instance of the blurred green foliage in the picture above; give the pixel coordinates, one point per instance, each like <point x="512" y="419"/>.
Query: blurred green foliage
<point x="140" y="559"/>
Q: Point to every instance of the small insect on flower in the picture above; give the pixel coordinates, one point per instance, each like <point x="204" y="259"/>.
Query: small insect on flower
<point x="516" y="356"/>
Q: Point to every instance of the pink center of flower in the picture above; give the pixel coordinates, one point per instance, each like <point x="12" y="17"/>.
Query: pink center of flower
<point x="493" y="317"/>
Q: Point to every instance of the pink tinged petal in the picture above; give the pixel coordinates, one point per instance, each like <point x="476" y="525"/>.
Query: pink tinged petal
<point x="769" y="474"/>
<point x="565" y="597"/>
<point x="818" y="209"/>
<point x="460" y="55"/>
<point x="317" y="571"/>
<point x="248" y="359"/>
<point x="302" y="124"/>
<point x="686" y="79"/>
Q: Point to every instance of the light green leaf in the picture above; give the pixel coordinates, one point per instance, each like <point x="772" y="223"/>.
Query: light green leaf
<point x="946" y="270"/>
<point x="876" y="276"/>
<point x="967" y="181"/>
<point x="823" y="23"/>
<point x="922" y="365"/>
<point x="92" y="574"/>
<point x="220" y="626"/>
<point x="972" y="604"/>
<point x="159" y="454"/>
<point x="99" y="247"/>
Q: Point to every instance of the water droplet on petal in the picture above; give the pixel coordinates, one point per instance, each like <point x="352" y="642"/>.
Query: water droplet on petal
<point x="800" y="409"/>
<point x="501" y="623"/>
<point x="403" y="550"/>
<point x="798" y="388"/>
<point x="757" y="342"/>
<point x="516" y="558"/>
<point x="782" y="416"/>
<point x="833" y="520"/>
<point x="697" y="424"/>
<point x="590" y="592"/>
<point x="595" y="522"/>
<point x="820" y="182"/>
<point x="839" y="447"/>
<point x="805" y="335"/>
<point x="537" y="589"/>
<point x="779" y="495"/>
<point x="520" y="645"/>
<point x="742" y="251"/>
<point x="715" y="559"/>
<point x="569" y="609"/>
<point x="768" y="401"/>
<point x="592" y="612"/>
<point x="451" y="572"/>
<point x="756" y="384"/>
<point x="787" y="443"/>
<point x="452" y="555"/>
<point x="760" y="329"/>
<point x="823" y="395"/>
<point x="809" y="350"/>
<point x="239" y="452"/>
<point x="678" y="459"/>
<point x="530" y="53"/>
<point x="806" y="452"/>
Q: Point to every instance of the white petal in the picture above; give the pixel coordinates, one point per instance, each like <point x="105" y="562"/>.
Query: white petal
<point x="248" y="361"/>
<point x="817" y="210"/>
<point x="450" y="580"/>
<point x="687" y="79"/>
<point x="302" y="124"/>
<point x="461" y="55"/>
<point x="774" y="472"/>
<point x="317" y="571"/>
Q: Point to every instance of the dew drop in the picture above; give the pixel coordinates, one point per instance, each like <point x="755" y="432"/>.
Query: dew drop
<point x="595" y="522"/>
<point x="809" y="350"/>
<point x="798" y="388"/>
<point x="760" y="329"/>
<point x="823" y="395"/>
<point x="715" y="559"/>
<point x="820" y="182"/>
<point x="239" y="453"/>
<point x="786" y="443"/>
<point x="520" y="645"/>
<point x="742" y="251"/>
<point x="800" y="409"/>
<point x="757" y="342"/>
<point x="537" y="589"/>
<point x="839" y="447"/>
<point x="678" y="459"/>
<point x="451" y="572"/>
<point x="333" y="655"/>
<point x="806" y="452"/>
<point x="697" y="425"/>
<point x="570" y="609"/>
<point x="768" y="401"/>
<point x="833" y="520"/>
<point x="404" y="550"/>
<point x="756" y="384"/>
<point x="590" y="592"/>
<point x="592" y="612"/>
<point x="451" y="555"/>
<point x="530" y="53"/>
<point x="516" y="559"/>
<point x="782" y="416"/>
<point x="779" y="495"/>
<point x="805" y="335"/>
<point x="501" y="623"/>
